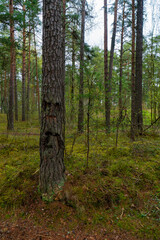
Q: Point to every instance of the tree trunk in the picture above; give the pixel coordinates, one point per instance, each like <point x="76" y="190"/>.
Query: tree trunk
<point x="37" y="81"/>
<point x="15" y="93"/>
<point x="29" y="71"/>
<point x="10" y="116"/>
<point x="73" y="77"/>
<point x="81" y="107"/>
<point x="138" y="80"/>
<point x="106" y="80"/>
<point x="64" y="58"/>
<point x="2" y="92"/>
<point x="111" y="62"/>
<point x="133" y="119"/>
<point x="51" y="136"/>
<point x="24" y="67"/>
<point x="5" y="93"/>
<point x="121" y="65"/>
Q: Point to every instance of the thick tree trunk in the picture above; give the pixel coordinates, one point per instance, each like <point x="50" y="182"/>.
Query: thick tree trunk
<point x="10" y="116"/>
<point x="51" y="137"/>
<point x="81" y="107"/>
<point x="133" y="119"/>
<point x="29" y="71"/>
<point x="121" y="65"/>
<point x="111" y="61"/>
<point x="138" y="80"/>
<point x="106" y="80"/>
<point x="24" y="68"/>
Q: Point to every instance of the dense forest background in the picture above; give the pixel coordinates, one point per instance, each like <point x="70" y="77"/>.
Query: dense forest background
<point x="112" y="119"/>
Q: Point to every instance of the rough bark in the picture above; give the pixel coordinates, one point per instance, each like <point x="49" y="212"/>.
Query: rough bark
<point x="81" y="107"/>
<point x="138" y="80"/>
<point x="24" y="68"/>
<point x="121" y="64"/>
<point x="52" y="111"/>
<point x="106" y="80"/>
<point x="10" y="116"/>
<point x="133" y="119"/>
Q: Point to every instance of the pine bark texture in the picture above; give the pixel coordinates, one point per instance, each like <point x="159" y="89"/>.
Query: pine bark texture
<point x="10" y="125"/>
<point x="52" y="114"/>
<point x="81" y="105"/>
<point x="138" y="80"/>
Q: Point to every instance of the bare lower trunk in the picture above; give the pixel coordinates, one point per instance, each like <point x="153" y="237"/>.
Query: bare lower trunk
<point x="106" y="80"/>
<point x="10" y="116"/>
<point x="29" y="73"/>
<point x="138" y="80"/>
<point x="15" y="95"/>
<point x="133" y="119"/>
<point x="24" y="69"/>
<point x="73" y="78"/>
<point x="51" y="136"/>
<point x="111" y="61"/>
<point x="121" y="64"/>
<point x="81" y="107"/>
<point x="37" y="80"/>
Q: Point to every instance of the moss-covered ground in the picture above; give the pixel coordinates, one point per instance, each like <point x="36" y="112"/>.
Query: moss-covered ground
<point x="120" y="190"/>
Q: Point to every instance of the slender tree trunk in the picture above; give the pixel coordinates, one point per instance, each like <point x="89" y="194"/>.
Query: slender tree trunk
<point x="10" y="116"/>
<point x="29" y="71"/>
<point x="24" y="67"/>
<point x="5" y="92"/>
<point x="111" y="61"/>
<point x="106" y="80"/>
<point x="133" y="119"/>
<point x="81" y="107"/>
<point x="73" y="77"/>
<point x="37" y="81"/>
<point x="51" y="137"/>
<point x="64" y="58"/>
<point x="2" y="92"/>
<point x="138" y="80"/>
<point x="121" y="65"/>
<point x="15" y="93"/>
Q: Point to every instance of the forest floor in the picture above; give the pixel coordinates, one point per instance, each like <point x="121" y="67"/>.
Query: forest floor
<point x="117" y="197"/>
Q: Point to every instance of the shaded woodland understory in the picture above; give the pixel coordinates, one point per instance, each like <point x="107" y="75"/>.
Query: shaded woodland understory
<point x="117" y="197"/>
<point x="79" y="126"/>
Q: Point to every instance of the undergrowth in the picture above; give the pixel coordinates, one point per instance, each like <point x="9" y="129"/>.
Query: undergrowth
<point x="120" y="189"/>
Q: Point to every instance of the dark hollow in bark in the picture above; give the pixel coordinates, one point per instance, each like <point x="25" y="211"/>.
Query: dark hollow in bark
<point x="52" y="116"/>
